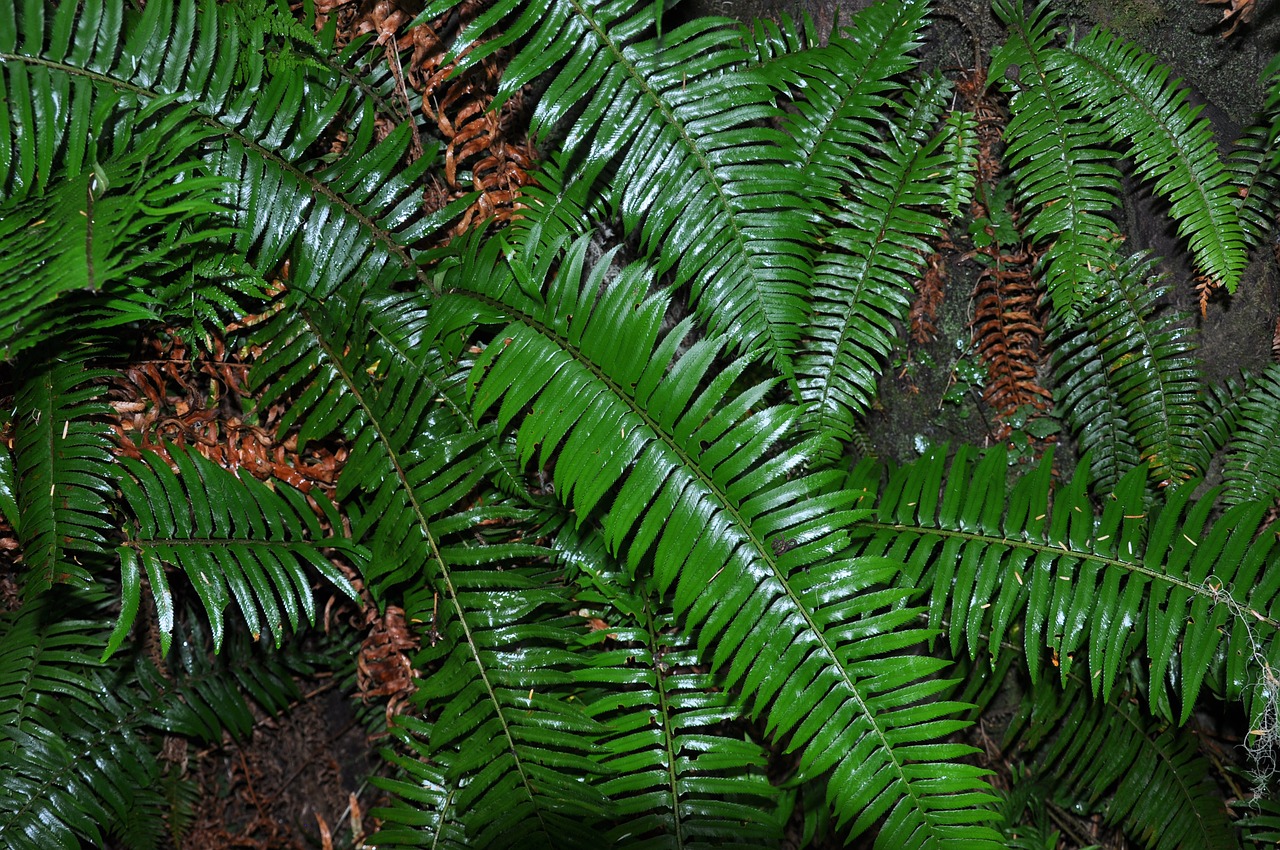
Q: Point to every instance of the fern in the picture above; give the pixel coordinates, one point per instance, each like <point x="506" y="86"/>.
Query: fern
<point x="1134" y="102"/>
<point x="737" y="228"/>
<point x="62" y="473"/>
<point x="422" y="809"/>
<point x="78" y="736"/>
<point x="231" y="536"/>
<point x="1060" y="159"/>
<point x="679" y="770"/>
<point x="861" y="293"/>
<point x="847" y="87"/>
<point x="106" y="234"/>
<point x="611" y="486"/>
<point x="764" y="616"/>
<point x="1158" y="785"/>
<point x="1088" y="588"/>
<point x="1256" y="167"/>
<point x="1252" y="470"/>
<point x="1127" y="380"/>
<point x="71" y="745"/>
<point x="513" y="746"/>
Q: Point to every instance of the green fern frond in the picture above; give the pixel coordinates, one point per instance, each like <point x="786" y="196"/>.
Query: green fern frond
<point x="233" y="536"/>
<point x="1127" y="382"/>
<point x="1146" y="777"/>
<point x="1256" y="175"/>
<point x="75" y="764"/>
<point x="844" y="91"/>
<point x="1254" y="163"/>
<point x="680" y="123"/>
<point x="1024" y="802"/>
<point x="863" y="283"/>
<point x="1060" y="160"/>
<point x="422" y="809"/>
<point x="1252" y="471"/>
<point x="1221" y="419"/>
<point x="1260" y="823"/>
<point x="700" y="490"/>
<point x="772" y="42"/>
<point x="1089" y="588"/>
<point x="515" y="747"/>
<point x="79" y="737"/>
<point x="80" y="82"/>
<point x="63" y="470"/>
<point x="360" y="370"/>
<point x="201" y="696"/>
<point x="960" y="147"/>
<point x="364" y="370"/>
<point x="258" y="19"/>
<point x="349" y="220"/>
<point x="557" y="206"/>
<point x="1132" y="100"/>
<point x="680" y="779"/>
<point x="679" y="770"/>
<point x="103" y="240"/>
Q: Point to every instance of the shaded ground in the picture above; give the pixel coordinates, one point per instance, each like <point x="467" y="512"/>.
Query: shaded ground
<point x="299" y="782"/>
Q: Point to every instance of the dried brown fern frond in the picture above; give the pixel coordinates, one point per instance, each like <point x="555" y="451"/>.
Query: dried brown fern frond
<point x="384" y="667"/>
<point x="981" y="99"/>
<point x="930" y="290"/>
<point x="1206" y="287"/>
<point x="1007" y="333"/>
<point x="485" y="151"/>
<point x="172" y="395"/>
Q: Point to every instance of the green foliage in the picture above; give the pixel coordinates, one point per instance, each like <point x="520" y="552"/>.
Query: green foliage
<point x="79" y="737"/>
<point x="1108" y="757"/>
<point x="1060" y="158"/>
<point x="1127" y="381"/>
<point x="62" y="473"/>
<point x="232" y="536"/>
<point x="1253" y="459"/>
<point x="875" y="248"/>
<point x="1075" y="108"/>
<point x="656" y="600"/>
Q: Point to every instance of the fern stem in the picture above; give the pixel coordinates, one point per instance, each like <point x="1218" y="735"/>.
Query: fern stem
<point x="1201" y="590"/>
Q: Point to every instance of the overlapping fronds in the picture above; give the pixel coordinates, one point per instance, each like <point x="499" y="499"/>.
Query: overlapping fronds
<point x="1133" y="101"/>
<point x="1148" y="778"/>
<point x="62" y="471"/>
<point x="75" y="764"/>
<point x="515" y="748"/>
<point x="364" y="371"/>
<point x="234" y="538"/>
<point x="1060" y="158"/>
<point x="1095" y="590"/>
<point x="737" y="221"/>
<point x="1128" y="384"/>
<point x="202" y="696"/>
<point x="1255" y="164"/>
<point x="863" y="282"/>
<point x="79" y="737"/>
<point x="625" y="556"/>
<point x="359" y="369"/>
<point x="1252" y="470"/>
<point x="81" y="76"/>
<point x="679" y="770"/>
<point x="96" y="238"/>
<point x="96" y="74"/>
<point x="422" y="810"/>
<point x="701" y="496"/>
<point x="844" y="92"/>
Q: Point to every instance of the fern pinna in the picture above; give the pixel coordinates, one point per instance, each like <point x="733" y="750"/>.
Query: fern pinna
<point x="612" y="485"/>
